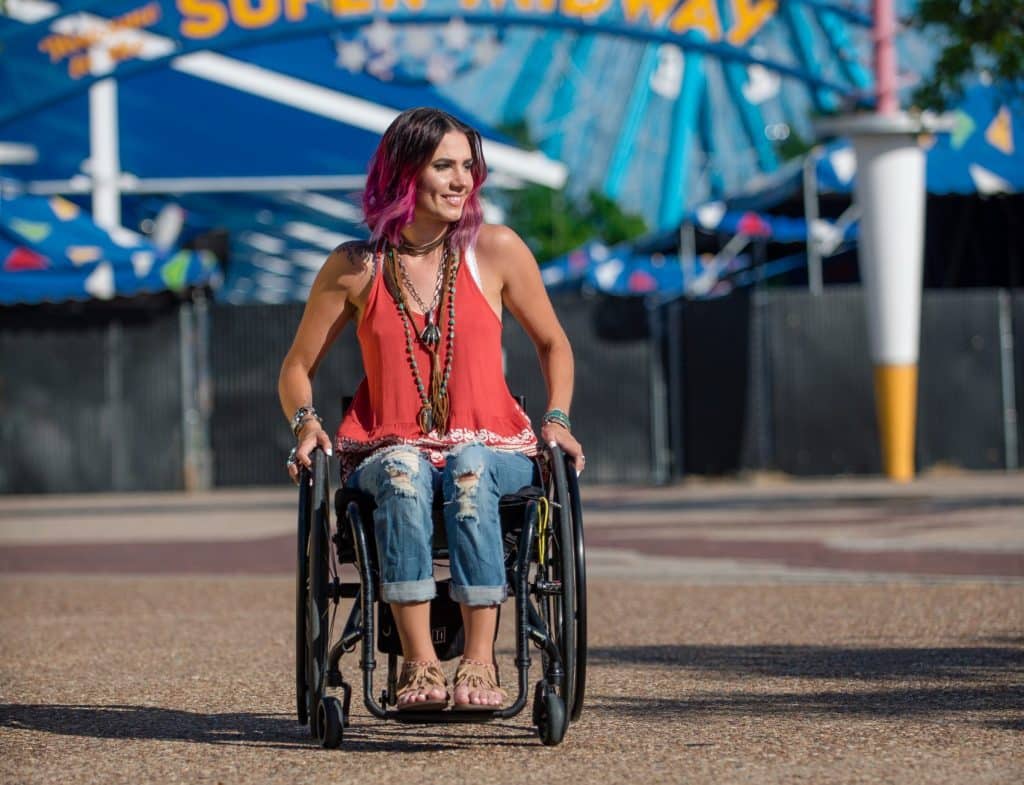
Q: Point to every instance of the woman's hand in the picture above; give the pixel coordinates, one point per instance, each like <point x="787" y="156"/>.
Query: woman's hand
<point x="311" y="436"/>
<point x="554" y="434"/>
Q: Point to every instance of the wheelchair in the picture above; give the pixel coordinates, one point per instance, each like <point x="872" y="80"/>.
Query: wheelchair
<point x="542" y="528"/>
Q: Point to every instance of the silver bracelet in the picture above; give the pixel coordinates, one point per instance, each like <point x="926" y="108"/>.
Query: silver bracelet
<point x="302" y="414"/>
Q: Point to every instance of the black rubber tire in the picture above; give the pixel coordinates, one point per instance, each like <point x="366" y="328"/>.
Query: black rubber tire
<point x="561" y="616"/>
<point x="549" y="709"/>
<point x="538" y="703"/>
<point x="301" y="599"/>
<point x="580" y="575"/>
<point x="330" y="722"/>
<point x="317" y="610"/>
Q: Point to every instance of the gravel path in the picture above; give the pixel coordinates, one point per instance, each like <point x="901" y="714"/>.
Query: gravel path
<point x="188" y="679"/>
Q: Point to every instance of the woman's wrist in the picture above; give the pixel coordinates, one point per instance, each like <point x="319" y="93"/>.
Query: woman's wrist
<point x="304" y="429"/>
<point x="557" y="417"/>
<point x="302" y="416"/>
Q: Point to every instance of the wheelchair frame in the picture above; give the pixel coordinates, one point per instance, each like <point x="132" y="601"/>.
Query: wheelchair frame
<point x="550" y="604"/>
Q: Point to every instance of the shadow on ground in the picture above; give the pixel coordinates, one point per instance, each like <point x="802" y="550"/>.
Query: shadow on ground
<point x="972" y="679"/>
<point x="235" y="728"/>
<point x="969" y="663"/>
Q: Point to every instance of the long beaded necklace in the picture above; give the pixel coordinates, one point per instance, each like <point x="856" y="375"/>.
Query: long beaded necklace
<point x="434" y="404"/>
<point x="431" y="334"/>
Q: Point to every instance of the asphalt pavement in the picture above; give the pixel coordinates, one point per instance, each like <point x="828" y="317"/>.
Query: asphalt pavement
<point x="759" y="631"/>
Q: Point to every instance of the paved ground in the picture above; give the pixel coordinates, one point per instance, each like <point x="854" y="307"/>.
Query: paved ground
<point x="839" y="631"/>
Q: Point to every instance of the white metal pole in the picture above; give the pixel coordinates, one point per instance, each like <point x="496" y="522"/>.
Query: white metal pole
<point x="105" y="158"/>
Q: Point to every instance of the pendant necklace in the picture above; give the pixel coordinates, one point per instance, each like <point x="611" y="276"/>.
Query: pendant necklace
<point x="434" y="400"/>
<point x="431" y="333"/>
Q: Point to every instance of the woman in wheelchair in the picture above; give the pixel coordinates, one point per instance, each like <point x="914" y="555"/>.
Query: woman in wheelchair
<point x="433" y="414"/>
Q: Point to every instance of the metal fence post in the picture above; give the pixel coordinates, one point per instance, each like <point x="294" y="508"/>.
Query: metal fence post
<point x="676" y="388"/>
<point x="1006" y="371"/>
<point x="116" y="406"/>
<point x="196" y="396"/>
<point x="659" y="397"/>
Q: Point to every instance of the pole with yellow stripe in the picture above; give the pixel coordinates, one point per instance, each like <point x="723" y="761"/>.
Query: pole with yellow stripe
<point x="890" y="192"/>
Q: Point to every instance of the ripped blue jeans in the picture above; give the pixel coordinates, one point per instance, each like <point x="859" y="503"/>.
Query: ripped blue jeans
<point x="403" y="483"/>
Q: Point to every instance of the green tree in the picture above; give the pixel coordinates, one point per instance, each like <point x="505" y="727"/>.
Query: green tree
<point x="974" y="35"/>
<point x="552" y="224"/>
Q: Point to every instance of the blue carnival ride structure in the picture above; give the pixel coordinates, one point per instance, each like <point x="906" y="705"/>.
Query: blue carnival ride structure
<point x="662" y="104"/>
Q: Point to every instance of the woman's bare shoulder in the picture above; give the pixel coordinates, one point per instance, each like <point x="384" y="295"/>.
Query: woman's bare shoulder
<point x="499" y="248"/>
<point x="352" y="258"/>
<point x="495" y="239"/>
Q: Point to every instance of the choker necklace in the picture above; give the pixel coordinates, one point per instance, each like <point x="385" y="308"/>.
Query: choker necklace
<point x="409" y="249"/>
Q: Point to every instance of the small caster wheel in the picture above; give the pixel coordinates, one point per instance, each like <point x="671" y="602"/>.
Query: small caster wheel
<point x="549" y="715"/>
<point x="538" y="703"/>
<point x="330" y="722"/>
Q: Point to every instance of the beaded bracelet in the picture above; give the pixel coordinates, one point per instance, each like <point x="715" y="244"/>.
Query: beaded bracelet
<point x="302" y="414"/>
<point x="559" y="417"/>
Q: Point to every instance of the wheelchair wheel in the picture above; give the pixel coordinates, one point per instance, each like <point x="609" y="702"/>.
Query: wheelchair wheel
<point x="558" y="568"/>
<point x="316" y="627"/>
<point x="549" y="715"/>
<point x="580" y="564"/>
<point x="301" y="599"/>
<point x="330" y="722"/>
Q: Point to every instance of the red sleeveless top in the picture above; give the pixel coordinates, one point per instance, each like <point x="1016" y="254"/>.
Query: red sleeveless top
<point x="383" y="412"/>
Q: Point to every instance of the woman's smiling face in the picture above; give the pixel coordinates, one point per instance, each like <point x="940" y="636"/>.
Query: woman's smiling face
<point x="446" y="182"/>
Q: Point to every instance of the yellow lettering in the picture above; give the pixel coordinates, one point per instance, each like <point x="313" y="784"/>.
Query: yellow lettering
<point x="469" y="4"/>
<point x="125" y="51"/>
<point x="295" y="10"/>
<point x="55" y="46"/>
<point x="389" y="5"/>
<point x="749" y="16"/>
<point x="79" y="66"/>
<point x="203" y="18"/>
<point x="536" y="5"/>
<point x="701" y="15"/>
<point x="140" y="17"/>
<point x="656" y="10"/>
<point x="351" y="7"/>
<point x="584" y="8"/>
<point x="250" y="15"/>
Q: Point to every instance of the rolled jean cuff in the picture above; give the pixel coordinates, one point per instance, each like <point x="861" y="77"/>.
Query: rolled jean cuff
<point x="409" y="591"/>
<point x="478" y="595"/>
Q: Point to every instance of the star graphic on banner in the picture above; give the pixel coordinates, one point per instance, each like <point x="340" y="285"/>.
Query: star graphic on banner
<point x="352" y="55"/>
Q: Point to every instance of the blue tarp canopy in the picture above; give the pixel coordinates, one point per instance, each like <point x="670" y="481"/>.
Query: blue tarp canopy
<point x="50" y="251"/>
<point x="176" y="125"/>
<point x="982" y="154"/>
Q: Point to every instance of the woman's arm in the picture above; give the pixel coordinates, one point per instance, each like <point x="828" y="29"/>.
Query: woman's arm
<point x="524" y="295"/>
<point x="333" y="302"/>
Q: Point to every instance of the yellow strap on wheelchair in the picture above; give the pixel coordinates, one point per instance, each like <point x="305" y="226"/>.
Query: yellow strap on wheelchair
<point x="543" y="518"/>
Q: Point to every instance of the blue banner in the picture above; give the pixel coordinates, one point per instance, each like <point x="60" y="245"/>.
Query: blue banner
<point x="55" y="57"/>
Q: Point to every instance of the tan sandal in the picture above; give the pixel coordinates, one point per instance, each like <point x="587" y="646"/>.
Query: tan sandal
<point x="476" y="675"/>
<point x="421" y="677"/>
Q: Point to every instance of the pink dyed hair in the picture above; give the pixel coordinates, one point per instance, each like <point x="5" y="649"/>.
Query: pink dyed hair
<point x="389" y="200"/>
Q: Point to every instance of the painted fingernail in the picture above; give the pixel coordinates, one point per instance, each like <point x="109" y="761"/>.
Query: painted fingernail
<point x="552" y="443"/>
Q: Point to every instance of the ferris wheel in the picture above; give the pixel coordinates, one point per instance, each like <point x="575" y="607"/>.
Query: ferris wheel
<point x="659" y="105"/>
